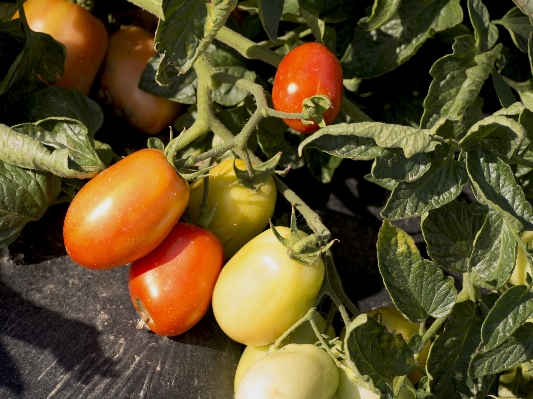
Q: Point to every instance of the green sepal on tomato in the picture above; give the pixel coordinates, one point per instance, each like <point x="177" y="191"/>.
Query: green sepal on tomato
<point x="308" y="70"/>
<point x="295" y="371"/>
<point x="83" y="35"/>
<point x="125" y="212"/>
<point x="261" y="292"/>
<point x="241" y="213"/>
<point x="172" y="286"/>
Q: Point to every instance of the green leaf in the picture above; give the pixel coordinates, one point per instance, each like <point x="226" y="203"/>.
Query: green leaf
<point x="270" y="12"/>
<point x="519" y="27"/>
<point x="26" y="194"/>
<point x="7" y="10"/>
<point x="394" y="165"/>
<point x="493" y="180"/>
<point x="323" y="34"/>
<point x="526" y="6"/>
<point x="152" y="6"/>
<point x="188" y="28"/>
<point x="486" y="33"/>
<point x="181" y="88"/>
<point x="417" y="287"/>
<point x="512" y="309"/>
<point x="381" y="50"/>
<point x="56" y="101"/>
<point x="441" y="184"/>
<point x="450" y="355"/>
<point x="410" y="139"/>
<point x="60" y="146"/>
<point x="494" y="253"/>
<point x="503" y="90"/>
<point x="272" y="138"/>
<point x="457" y="80"/>
<point x="386" y="183"/>
<point x="321" y="165"/>
<point x="449" y="232"/>
<point x="498" y="133"/>
<point x="377" y="353"/>
<point x="382" y="12"/>
<point x="517" y="349"/>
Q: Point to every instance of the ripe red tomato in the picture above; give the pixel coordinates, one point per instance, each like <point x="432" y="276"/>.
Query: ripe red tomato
<point x="84" y="37"/>
<point x="128" y="52"/>
<point x="171" y="287"/>
<point x="307" y="70"/>
<point x="125" y="212"/>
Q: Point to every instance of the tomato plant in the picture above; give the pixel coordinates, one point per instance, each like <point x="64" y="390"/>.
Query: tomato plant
<point x="124" y="212"/>
<point x="394" y="321"/>
<point x="308" y="70"/>
<point x="303" y="334"/>
<point x="128" y="52"/>
<point x="241" y="212"/>
<point x="295" y="371"/>
<point x="522" y="266"/>
<point x="261" y="292"/>
<point x="84" y="37"/>
<point x="171" y="287"/>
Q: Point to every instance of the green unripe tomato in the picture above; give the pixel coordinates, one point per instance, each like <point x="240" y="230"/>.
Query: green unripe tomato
<point x="261" y="292"/>
<point x="304" y="334"/>
<point x="522" y="266"/>
<point x="510" y="377"/>
<point x="294" y="372"/>
<point x="348" y="390"/>
<point x="241" y="213"/>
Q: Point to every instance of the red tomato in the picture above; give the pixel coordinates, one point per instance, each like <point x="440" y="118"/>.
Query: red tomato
<point x="84" y="37"/>
<point x="171" y="287"/>
<point x="125" y="212"/>
<point x="129" y="50"/>
<point x="307" y="70"/>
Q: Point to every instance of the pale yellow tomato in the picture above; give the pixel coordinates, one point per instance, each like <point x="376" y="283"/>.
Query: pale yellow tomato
<point x="522" y="266"/>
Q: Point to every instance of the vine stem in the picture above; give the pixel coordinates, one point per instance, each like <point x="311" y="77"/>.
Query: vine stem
<point x="432" y="330"/>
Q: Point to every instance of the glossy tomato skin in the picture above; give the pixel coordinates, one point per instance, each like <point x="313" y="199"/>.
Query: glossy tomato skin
<point x="241" y="213"/>
<point x="308" y="70"/>
<point x="128" y="52"/>
<point x="124" y="212"/>
<point x="261" y="292"/>
<point x="295" y="372"/>
<point x="84" y="36"/>
<point x="175" y="281"/>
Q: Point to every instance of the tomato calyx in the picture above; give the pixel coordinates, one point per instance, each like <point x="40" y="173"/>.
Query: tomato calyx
<point x="145" y="316"/>
<point x="304" y="249"/>
<point x="313" y="109"/>
<point x="261" y="173"/>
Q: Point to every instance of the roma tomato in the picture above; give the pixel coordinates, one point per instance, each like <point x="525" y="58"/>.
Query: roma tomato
<point x="241" y="213"/>
<point x="348" y="390"/>
<point x="261" y="292"/>
<point x="308" y="70"/>
<point x="84" y="37"/>
<point x="522" y="266"/>
<point x="295" y="372"/>
<point x="124" y="212"/>
<point x="171" y="287"/>
<point x="394" y="320"/>
<point x="128" y="52"/>
<point x="304" y="334"/>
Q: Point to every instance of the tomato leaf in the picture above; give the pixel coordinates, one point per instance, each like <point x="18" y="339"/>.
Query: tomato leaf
<point x="60" y="146"/>
<point x="417" y="286"/>
<point x="321" y="164"/>
<point x="485" y="32"/>
<point x="382" y="12"/>
<point x="410" y="139"/>
<point x="494" y="253"/>
<point x="26" y="194"/>
<point x="441" y="184"/>
<point x="270" y="12"/>
<point x="381" y="50"/>
<point x="188" y="28"/>
<point x="378" y="353"/>
<point x="494" y="184"/>
<point x="7" y="10"/>
<point x="393" y="164"/>
<point x="322" y="33"/>
<point x="450" y="355"/>
<point x="499" y="133"/>
<point x="344" y="146"/>
<point x="449" y="232"/>
<point x="516" y="349"/>
<point x="153" y="6"/>
<point x="457" y="80"/>
<point x="518" y="26"/>
<point x="386" y="183"/>
<point x="512" y="309"/>
<point x="503" y="90"/>
<point x="55" y="101"/>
